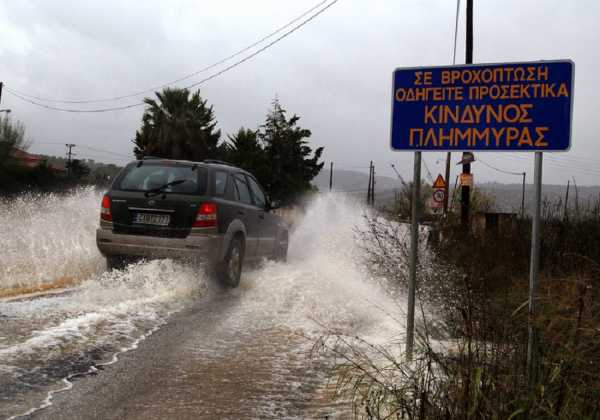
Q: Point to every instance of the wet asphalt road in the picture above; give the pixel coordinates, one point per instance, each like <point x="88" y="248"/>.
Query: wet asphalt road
<point x="206" y="363"/>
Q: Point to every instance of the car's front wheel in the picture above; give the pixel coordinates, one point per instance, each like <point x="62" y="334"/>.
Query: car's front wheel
<point x="115" y="262"/>
<point x="229" y="271"/>
<point x="281" y="248"/>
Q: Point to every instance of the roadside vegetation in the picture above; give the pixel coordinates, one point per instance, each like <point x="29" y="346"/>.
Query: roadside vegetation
<point x="471" y="338"/>
<point x="21" y="171"/>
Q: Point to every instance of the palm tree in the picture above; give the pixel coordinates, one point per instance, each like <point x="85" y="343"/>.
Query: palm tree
<point x="178" y="126"/>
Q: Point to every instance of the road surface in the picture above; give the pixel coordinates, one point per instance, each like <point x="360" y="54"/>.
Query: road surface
<point x="200" y="365"/>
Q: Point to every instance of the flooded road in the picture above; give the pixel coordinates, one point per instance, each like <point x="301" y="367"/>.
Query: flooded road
<point x="161" y="340"/>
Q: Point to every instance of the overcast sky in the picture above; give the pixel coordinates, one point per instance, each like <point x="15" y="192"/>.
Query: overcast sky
<point x="335" y="72"/>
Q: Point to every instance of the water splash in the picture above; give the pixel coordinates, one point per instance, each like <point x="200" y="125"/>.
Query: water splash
<point x="325" y="285"/>
<point x="44" y="340"/>
<point x="47" y="237"/>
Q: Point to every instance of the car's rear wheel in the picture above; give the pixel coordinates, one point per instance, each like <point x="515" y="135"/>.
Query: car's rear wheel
<point x="229" y="271"/>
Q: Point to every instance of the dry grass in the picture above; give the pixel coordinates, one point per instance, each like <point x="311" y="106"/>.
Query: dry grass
<point x="470" y="357"/>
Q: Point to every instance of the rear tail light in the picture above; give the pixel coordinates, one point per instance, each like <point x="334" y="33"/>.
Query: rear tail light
<point x="206" y="215"/>
<point x="105" y="213"/>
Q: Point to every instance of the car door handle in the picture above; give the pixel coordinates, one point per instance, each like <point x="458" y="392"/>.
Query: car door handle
<point x="262" y="216"/>
<point x="240" y="213"/>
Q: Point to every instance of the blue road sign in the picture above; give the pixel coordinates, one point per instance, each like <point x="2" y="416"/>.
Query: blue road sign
<point x="496" y="107"/>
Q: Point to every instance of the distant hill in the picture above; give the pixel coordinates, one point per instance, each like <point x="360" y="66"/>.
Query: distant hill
<point x="353" y="181"/>
<point x="507" y="197"/>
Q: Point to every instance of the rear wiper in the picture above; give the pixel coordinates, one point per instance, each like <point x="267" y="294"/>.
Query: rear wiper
<point x="158" y="190"/>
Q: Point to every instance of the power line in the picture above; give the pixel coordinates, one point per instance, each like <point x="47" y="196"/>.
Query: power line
<point x="89" y="148"/>
<point x="206" y="79"/>
<point x="96" y="157"/>
<point x="456" y="31"/>
<point x="188" y="76"/>
<point x="556" y="165"/>
<point x="500" y="170"/>
<point x="76" y="111"/>
<point x="428" y="171"/>
<point x="106" y="151"/>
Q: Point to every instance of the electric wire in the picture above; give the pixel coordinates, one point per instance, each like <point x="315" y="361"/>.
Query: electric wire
<point x="427" y="169"/>
<point x="556" y="165"/>
<point x="87" y="147"/>
<point x="172" y="82"/>
<point x="456" y="31"/>
<point x="206" y="79"/>
<point x="500" y="170"/>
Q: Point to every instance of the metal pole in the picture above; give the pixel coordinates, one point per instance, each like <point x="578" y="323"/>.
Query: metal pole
<point x="523" y="198"/>
<point x="534" y="268"/>
<point x="466" y="190"/>
<point x="469" y="37"/>
<point x="369" y="188"/>
<point x="566" y="212"/>
<point x="448" y="158"/>
<point x="373" y="188"/>
<point x="331" y="176"/>
<point x="414" y="251"/>
<point x="69" y="154"/>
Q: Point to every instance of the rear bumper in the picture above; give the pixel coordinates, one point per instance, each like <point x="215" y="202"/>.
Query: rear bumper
<point x="198" y="247"/>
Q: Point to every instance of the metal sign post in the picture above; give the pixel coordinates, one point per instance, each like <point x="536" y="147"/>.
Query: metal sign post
<point x="414" y="252"/>
<point x="534" y="269"/>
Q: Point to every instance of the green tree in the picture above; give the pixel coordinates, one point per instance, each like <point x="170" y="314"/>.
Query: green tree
<point x="291" y="164"/>
<point x="12" y="135"/>
<point x="246" y="151"/>
<point x="78" y="170"/>
<point x="178" y="126"/>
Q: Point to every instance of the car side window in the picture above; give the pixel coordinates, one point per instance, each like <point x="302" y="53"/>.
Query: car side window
<point x="242" y="191"/>
<point x="220" y="183"/>
<point x="259" y="195"/>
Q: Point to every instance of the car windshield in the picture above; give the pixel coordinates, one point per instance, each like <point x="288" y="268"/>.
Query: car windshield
<point x="168" y="178"/>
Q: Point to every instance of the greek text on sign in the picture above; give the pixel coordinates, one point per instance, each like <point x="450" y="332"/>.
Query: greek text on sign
<point x="513" y="107"/>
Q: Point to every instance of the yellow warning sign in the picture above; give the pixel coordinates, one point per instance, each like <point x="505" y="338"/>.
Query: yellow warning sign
<point x="439" y="182"/>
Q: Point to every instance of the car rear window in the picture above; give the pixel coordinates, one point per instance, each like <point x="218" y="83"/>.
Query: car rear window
<point x="188" y="179"/>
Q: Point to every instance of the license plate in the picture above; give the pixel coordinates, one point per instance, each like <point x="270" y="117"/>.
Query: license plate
<point x="151" y="219"/>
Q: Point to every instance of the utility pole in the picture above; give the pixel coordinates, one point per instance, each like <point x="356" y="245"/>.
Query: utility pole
<point x="69" y="154"/>
<point x="331" y="176"/>
<point x="1" y="86"/>
<point x="523" y="198"/>
<point x="466" y="169"/>
<point x="373" y="187"/>
<point x="369" y="188"/>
